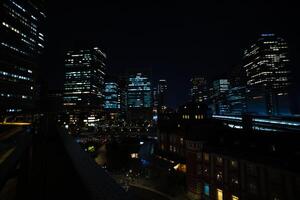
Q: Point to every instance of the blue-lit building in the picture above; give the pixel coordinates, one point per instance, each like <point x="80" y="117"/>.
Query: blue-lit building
<point x="236" y="100"/>
<point x="139" y="97"/>
<point x="84" y="84"/>
<point x="139" y="94"/>
<point x="266" y="66"/>
<point x="21" y="43"/>
<point x="218" y="101"/>
<point x="112" y="96"/>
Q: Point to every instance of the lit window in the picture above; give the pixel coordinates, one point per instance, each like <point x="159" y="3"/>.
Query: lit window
<point x="235" y="197"/>
<point x="206" y="189"/>
<point x="219" y="194"/>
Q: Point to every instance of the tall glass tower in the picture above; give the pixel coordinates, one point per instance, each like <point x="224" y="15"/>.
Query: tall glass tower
<point x="21" y="44"/>
<point x="112" y="96"/>
<point x="267" y="74"/>
<point x="139" y="93"/>
<point x="139" y="98"/>
<point x="84" y="82"/>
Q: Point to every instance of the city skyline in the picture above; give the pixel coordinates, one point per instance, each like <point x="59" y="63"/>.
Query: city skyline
<point x="149" y="100"/>
<point x="185" y="41"/>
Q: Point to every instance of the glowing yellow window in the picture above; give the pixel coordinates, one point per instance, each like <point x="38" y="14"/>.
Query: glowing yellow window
<point x="235" y="197"/>
<point x="219" y="194"/>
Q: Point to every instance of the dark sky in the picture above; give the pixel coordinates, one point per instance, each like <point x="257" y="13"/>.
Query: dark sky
<point x="177" y="40"/>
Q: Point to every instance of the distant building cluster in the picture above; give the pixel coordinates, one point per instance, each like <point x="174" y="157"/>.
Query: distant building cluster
<point x="258" y="86"/>
<point x="91" y="95"/>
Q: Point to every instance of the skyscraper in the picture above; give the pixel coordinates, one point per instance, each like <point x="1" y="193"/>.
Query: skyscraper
<point x="139" y="94"/>
<point x="112" y="96"/>
<point x="139" y="97"/>
<point x="162" y="94"/>
<point x="267" y="75"/>
<point x="219" y="101"/>
<point x="199" y="91"/>
<point x="84" y="83"/>
<point x="21" y="43"/>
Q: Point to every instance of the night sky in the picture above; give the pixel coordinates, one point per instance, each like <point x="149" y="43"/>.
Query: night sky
<point x="177" y="40"/>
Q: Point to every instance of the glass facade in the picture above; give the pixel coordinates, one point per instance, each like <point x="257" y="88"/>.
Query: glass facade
<point x="112" y="99"/>
<point x="139" y="94"/>
<point x="21" y="44"/>
<point x="219" y="103"/>
<point x="266" y="69"/>
<point x="84" y="80"/>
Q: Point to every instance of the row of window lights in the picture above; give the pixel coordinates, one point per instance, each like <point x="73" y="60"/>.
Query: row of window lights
<point x="31" y="42"/>
<point x="219" y="160"/>
<point x="15" y="76"/>
<point x="196" y="117"/>
<point x="15" y="96"/>
<point x="14" y="48"/>
<point x="206" y="191"/>
<point x="22" y="19"/>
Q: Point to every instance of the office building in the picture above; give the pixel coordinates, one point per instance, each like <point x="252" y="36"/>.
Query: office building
<point x="219" y="104"/>
<point x="162" y="95"/>
<point x="236" y="100"/>
<point x="139" y="97"/>
<point x="199" y="90"/>
<point x="112" y="96"/>
<point x="21" y="43"/>
<point x="84" y="83"/>
<point x="139" y="94"/>
<point x="267" y="75"/>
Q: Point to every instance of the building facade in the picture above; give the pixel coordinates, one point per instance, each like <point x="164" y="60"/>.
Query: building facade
<point x="139" y="97"/>
<point x="267" y="75"/>
<point x="112" y="96"/>
<point x="21" y="43"/>
<point x="139" y="94"/>
<point x="199" y="90"/>
<point x="212" y="174"/>
<point x="162" y="94"/>
<point x="227" y="164"/>
<point x="84" y="84"/>
<point x="218" y="100"/>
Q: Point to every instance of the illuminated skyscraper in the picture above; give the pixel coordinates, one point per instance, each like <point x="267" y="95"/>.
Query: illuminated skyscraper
<point x="139" y="94"/>
<point x="221" y="86"/>
<point x="139" y="97"/>
<point x="199" y="91"/>
<point x="267" y="75"/>
<point x="162" y="94"/>
<point x="219" y="101"/>
<point x="84" y="82"/>
<point x="112" y="99"/>
<point x="21" y="44"/>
